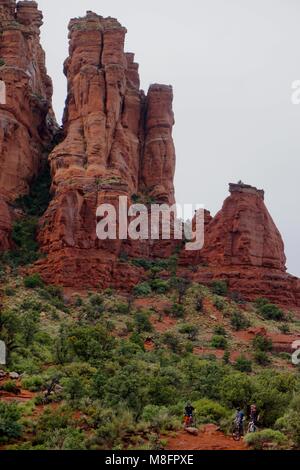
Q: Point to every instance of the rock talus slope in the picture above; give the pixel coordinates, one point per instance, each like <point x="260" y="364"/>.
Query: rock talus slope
<point x="26" y="116"/>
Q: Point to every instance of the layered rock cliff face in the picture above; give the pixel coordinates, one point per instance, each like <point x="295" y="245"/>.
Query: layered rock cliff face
<point x="244" y="247"/>
<point x="26" y="116"/>
<point x="118" y="142"/>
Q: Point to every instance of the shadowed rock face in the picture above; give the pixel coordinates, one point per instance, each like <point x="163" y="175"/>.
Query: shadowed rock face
<point x="26" y="116"/>
<point x="117" y="142"/>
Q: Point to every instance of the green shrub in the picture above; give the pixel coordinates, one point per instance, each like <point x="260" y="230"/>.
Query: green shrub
<point x="64" y="439"/>
<point x="159" y="418"/>
<point x="261" y="358"/>
<point x="24" y="230"/>
<point x="172" y="342"/>
<point x="239" y="322"/>
<point x="208" y="411"/>
<point x="272" y="312"/>
<point x="269" y="311"/>
<point x="159" y="286"/>
<point x="143" y="263"/>
<point x="262" y="343"/>
<point x="267" y="437"/>
<point x="190" y="330"/>
<point x="226" y="357"/>
<point x="219" y="342"/>
<point x="33" y="281"/>
<point x="220" y="304"/>
<point x="142" y="290"/>
<point x="74" y="388"/>
<point x="10" y="427"/>
<point x="142" y="322"/>
<point x="122" y="308"/>
<point x="220" y="331"/>
<point x="93" y="309"/>
<point x="33" y="384"/>
<point x="25" y="245"/>
<point x="2" y="62"/>
<point x="177" y="311"/>
<point x="289" y="424"/>
<point x="37" y="201"/>
<point x="181" y="285"/>
<point x="236" y="390"/>
<point x="10" y="387"/>
<point x="219" y="288"/>
<point x="96" y="300"/>
<point x="273" y="392"/>
<point x="243" y="364"/>
<point x="31" y="304"/>
<point x="78" y="302"/>
<point x="284" y="328"/>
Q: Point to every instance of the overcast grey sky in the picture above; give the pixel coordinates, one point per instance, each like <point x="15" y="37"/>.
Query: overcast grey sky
<point x="231" y="64"/>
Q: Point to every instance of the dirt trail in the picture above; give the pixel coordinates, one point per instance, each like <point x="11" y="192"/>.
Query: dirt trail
<point x="22" y="397"/>
<point x="209" y="438"/>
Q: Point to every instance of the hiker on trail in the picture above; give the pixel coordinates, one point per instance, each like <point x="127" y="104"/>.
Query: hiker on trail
<point x="189" y="414"/>
<point x="239" y="419"/>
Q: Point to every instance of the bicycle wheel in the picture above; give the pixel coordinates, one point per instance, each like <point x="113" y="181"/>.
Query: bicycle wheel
<point x="236" y="435"/>
<point x="252" y="428"/>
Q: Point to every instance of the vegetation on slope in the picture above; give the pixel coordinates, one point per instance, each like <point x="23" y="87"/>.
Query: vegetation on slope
<point x="119" y="369"/>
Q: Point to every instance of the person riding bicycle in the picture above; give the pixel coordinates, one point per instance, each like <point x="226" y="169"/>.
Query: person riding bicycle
<point x="239" y="420"/>
<point x="188" y="414"/>
<point x="254" y="415"/>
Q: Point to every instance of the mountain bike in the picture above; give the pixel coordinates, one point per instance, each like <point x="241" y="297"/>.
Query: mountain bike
<point x="190" y="421"/>
<point x="237" y="431"/>
<point x="252" y="427"/>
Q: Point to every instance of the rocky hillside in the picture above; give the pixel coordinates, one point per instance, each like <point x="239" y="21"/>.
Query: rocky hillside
<point x="105" y="370"/>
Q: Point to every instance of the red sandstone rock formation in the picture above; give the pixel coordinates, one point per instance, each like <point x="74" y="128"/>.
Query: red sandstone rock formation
<point x="244" y="247"/>
<point x="243" y="232"/>
<point x="117" y="142"/>
<point x="26" y="116"/>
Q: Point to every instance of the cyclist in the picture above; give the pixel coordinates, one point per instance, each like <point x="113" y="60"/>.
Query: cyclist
<point x="253" y="418"/>
<point x="189" y="414"/>
<point x="239" y="420"/>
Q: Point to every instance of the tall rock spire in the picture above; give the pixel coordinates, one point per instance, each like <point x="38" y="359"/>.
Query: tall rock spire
<point x="26" y="116"/>
<point x="117" y="141"/>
